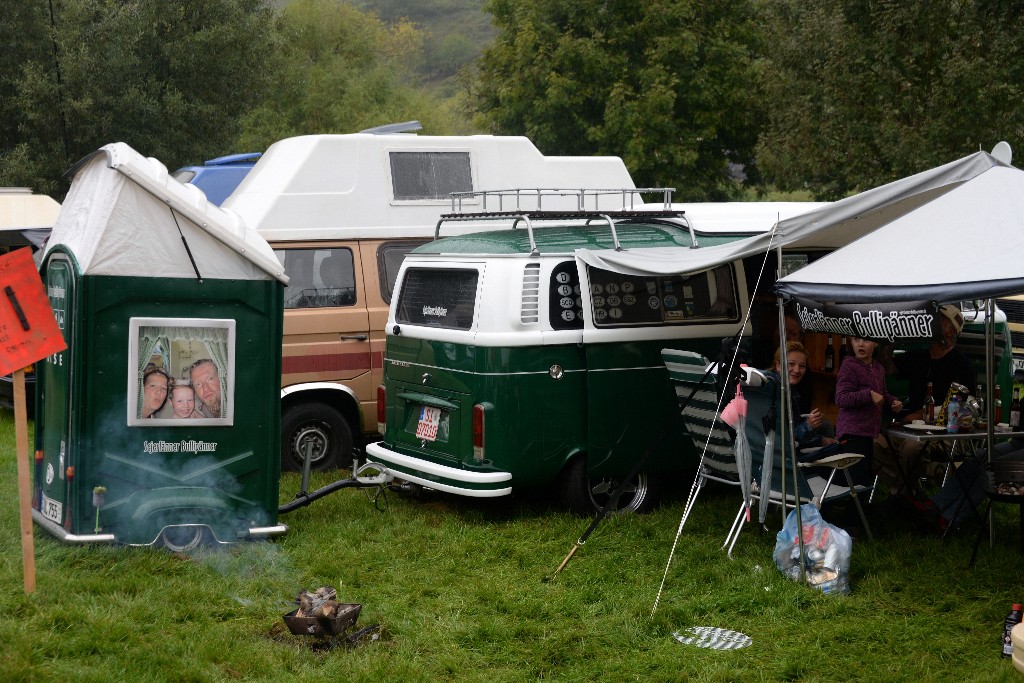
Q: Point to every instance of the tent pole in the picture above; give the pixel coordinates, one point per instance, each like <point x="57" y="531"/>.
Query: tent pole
<point x="786" y="426"/>
<point x="990" y="351"/>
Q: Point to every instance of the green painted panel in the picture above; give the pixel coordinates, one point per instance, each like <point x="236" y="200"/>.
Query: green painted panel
<point x="168" y="471"/>
<point x="53" y="398"/>
<point x="611" y="401"/>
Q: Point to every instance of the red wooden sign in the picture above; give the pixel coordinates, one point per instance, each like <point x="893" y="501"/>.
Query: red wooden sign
<point x="28" y="330"/>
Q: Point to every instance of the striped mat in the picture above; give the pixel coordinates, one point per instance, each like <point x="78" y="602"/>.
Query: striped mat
<point x="713" y="638"/>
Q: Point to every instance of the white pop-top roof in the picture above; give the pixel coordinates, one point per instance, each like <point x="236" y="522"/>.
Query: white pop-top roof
<point x="332" y="186"/>
<point x="125" y="215"/>
<point x="20" y="209"/>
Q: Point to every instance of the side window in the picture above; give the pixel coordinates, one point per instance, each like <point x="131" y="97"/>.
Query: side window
<point x="624" y="300"/>
<point x="430" y="175"/>
<point x="565" y="311"/>
<point x="438" y="297"/>
<point x="318" y="278"/>
<point x="389" y="259"/>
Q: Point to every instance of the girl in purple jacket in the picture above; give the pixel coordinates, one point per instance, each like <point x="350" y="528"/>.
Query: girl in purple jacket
<point x="860" y="395"/>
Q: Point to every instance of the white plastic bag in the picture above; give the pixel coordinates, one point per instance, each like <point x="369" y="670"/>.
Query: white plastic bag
<point x="827" y="550"/>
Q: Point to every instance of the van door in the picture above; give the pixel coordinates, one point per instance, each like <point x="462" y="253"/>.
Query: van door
<point x="326" y="327"/>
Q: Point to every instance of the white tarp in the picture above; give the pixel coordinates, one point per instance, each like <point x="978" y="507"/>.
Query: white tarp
<point x="830" y="227"/>
<point x="966" y="244"/>
<point x="123" y="214"/>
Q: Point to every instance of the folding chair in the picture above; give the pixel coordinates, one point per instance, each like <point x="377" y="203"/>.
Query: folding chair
<point x="815" y="481"/>
<point x="696" y="392"/>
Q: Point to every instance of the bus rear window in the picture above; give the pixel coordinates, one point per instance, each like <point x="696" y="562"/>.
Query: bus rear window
<point x="438" y="297"/>
<point x="623" y="300"/>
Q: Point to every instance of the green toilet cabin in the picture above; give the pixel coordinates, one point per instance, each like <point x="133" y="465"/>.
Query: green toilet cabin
<point x="160" y="422"/>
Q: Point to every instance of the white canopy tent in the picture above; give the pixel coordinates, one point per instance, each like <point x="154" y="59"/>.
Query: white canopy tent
<point x="966" y="244"/>
<point x="829" y="227"/>
<point x="910" y="239"/>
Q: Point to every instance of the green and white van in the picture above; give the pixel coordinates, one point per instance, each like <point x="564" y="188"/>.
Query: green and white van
<point x="510" y="364"/>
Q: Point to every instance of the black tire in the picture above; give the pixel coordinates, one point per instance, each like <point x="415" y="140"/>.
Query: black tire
<point x="585" y="496"/>
<point x="322" y="425"/>
<point x="183" y="539"/>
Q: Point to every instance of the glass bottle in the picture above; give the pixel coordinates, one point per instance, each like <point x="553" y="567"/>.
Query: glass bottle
<point x="929" y="405"/>
<point x="1015" y="411"/>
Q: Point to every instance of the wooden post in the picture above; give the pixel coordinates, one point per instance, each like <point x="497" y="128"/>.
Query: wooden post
<point x="28" y="558"/>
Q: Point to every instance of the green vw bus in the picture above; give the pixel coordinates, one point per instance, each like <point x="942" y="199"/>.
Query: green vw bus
<point x="510" y="363"/>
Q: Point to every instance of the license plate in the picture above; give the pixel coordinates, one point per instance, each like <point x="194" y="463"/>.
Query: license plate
<point x="52" y="509"/>
<point x="430" y="418"/>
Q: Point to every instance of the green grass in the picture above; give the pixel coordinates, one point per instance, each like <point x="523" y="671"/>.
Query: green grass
<point x="458" y="589"/>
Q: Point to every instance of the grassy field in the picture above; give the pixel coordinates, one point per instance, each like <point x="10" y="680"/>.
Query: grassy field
<point x="458" y="589"/>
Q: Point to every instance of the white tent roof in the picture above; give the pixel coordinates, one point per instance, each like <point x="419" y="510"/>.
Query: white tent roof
<point x="124" y="215"/>
<point x="829" y="227"/>
<point x="966" y="244"/>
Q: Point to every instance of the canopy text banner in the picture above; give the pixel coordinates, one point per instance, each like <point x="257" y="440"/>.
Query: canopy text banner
<point x="891" y="322"/>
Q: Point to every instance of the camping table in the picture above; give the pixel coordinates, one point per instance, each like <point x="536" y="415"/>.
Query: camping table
<point x="961" y="440"/>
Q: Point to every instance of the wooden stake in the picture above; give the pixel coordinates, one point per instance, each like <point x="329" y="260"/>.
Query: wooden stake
<point x="28" y="557"/>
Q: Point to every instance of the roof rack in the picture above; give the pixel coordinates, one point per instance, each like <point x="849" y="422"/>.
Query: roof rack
<point x="534" y="197"/>
<point x="516" y="197"/>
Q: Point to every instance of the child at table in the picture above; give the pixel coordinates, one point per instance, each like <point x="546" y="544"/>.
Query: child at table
<point x="860" y="395"/>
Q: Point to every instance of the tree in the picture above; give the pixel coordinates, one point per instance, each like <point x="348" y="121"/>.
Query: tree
<point x="665" y="84"/>
<point x="864" y="92"/>
<point x="169" y="77"/>
<point x="340" y="70"/>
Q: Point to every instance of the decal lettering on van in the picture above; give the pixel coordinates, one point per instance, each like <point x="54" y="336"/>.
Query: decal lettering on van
<point x="184" y="446"/>
<point x="438" y="311"/>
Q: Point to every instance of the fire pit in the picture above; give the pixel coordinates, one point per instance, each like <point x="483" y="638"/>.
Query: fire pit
<point x="323" y="626"/>
<point x="320" y="614"/>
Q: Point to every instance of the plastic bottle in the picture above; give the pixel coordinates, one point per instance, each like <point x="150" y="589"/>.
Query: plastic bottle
<point x="1012" y="619"/>
<point x="953" y="414"/>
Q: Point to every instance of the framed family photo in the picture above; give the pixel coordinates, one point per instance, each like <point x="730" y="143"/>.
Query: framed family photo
<point x="181" y="372"/>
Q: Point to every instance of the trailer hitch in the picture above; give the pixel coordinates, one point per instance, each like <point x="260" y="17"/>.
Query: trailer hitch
<point x="381" y="480"/>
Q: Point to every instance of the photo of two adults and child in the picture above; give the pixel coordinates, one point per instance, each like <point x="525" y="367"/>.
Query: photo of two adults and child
<point x="182" y="370"/>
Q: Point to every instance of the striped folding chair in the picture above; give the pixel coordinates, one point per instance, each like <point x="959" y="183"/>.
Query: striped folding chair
<point x="696" y="393"/>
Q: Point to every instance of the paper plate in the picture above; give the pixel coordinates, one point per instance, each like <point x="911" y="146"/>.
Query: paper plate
<point x="925" y="428"/>
<point x="713" y="638"/>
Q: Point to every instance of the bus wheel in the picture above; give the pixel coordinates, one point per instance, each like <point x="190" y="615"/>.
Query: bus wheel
<point x="320" y="426"/>
<point x="585" y="495"/>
